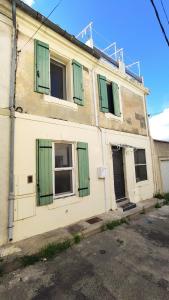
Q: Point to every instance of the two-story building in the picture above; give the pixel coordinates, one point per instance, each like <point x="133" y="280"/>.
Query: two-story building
<point x="81" y="138"/>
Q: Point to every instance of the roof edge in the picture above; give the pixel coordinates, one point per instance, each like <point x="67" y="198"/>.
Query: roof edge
<point x="95" y="52"/>
<point x="39" y="17"/>
<point x="160" y="141"/>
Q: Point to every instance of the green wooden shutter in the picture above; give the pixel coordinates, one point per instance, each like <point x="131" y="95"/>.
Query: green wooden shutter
<point x="44" y="172"/>
<point x="42" y="84"/>
<point x="103" y="93"/>
<point x="78" y="94"/>
<point x="83" y="167"/>
<point x="116" y="100"/>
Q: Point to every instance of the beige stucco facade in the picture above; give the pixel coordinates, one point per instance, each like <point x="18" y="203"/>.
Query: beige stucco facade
<point x="5" y="58"/>
<point x="44" y="117"/>
<point x="132" y="93"/>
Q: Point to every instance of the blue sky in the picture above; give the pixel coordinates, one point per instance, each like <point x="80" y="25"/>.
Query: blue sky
<point x="133" y="25"/>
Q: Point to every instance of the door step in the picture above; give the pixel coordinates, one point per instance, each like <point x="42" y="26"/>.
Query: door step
<point x="122" y="201"/>
<point x="124" y="204"/>
<point x="128" y="206"/>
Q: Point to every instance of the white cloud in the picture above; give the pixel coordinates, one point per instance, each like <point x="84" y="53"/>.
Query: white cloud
<point x="29" y="2"/>
<point x="159" y="126"/>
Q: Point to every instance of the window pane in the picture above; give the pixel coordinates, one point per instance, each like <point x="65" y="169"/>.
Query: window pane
<point x="57" y="74"/>
<point x="139" y="156"/>
<point x="110" y="98"/>
<point x="141" y="173"/>
<point x="63" y="155"/>
<point x="63" y="182"/>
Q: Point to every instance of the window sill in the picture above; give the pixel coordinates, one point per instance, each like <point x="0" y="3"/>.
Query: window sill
<point x="64" y="201"/>
<point x="63" y="196"/>
<point x="113" y="117"/>
<point x="61" y="102"/>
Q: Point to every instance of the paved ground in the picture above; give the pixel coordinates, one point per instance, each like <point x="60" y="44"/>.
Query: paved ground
<point x="128" y="263"/>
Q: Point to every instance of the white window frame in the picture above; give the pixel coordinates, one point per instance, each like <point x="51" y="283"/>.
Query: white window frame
<point x="69" y="102"/>
<point x="64" y="67"/>
<point x="137" y="165"/>
<point x="63" y="195"/>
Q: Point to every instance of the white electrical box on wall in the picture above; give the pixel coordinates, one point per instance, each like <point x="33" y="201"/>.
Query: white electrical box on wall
<point x="101" y="171"/>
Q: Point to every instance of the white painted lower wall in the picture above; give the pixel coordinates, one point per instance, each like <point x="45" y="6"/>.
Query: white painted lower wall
<point x="30" y="219"/>
<point x="4" y="176"/>
<point x="135" y="191"/>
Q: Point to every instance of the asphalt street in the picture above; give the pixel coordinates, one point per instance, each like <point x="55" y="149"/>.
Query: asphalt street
<point x="130" y="262"/>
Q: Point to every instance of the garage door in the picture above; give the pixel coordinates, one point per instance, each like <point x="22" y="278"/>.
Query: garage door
<point x="165" y="175"/>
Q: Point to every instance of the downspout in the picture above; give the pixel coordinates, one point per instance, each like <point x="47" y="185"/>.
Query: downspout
<point x="100" y="129"/>
<point x="12" y="124"/>
<point x="103" y="159"/>
<point x="94" y="97"/>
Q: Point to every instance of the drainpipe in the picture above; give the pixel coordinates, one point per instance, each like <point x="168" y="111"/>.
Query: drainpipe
<point x="103" y="160"/>
<point x="12" y="125"/>
<point x="94" y="97"/>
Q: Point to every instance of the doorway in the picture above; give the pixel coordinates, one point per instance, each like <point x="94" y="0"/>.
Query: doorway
<point x="118" y="170"/>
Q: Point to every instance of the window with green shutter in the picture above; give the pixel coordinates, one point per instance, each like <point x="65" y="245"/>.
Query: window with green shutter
<point x="109" y="96"/>
<point x="103" y="93"/>
<point x="116" y="99"/>
<point x="42" y="83"/>
<point x="44" y="172"/>
<point x="78" y="92"/>
<point x="83" y="169"/>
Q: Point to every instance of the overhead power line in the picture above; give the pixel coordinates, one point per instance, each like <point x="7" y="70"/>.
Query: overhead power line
<point x="102" y="36"/>
<point x="164" y="10"/>
<point x="159" y="21"/>
<point x="42" y="23"/>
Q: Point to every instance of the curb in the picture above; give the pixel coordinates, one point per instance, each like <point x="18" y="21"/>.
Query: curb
<point x="11" y="262"/>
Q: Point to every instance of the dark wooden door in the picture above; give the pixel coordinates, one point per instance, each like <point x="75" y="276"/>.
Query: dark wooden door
<point x="119" y="184"/>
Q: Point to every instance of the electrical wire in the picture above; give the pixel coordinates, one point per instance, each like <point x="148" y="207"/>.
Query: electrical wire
<point x="42" y="23"/>
<point x="109" y="42"/>
<point x="159" y="21"/>
<point x="102" y="36"/>
<point x="162" y="4"/>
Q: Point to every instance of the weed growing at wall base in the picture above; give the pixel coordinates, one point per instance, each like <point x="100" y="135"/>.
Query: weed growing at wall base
<point x="159" y="196"/>
<point x="111" y="225"/>
<point x="157" y="205"/>
<point x="46" y="252"/>
<point x="77" y="238"/>
<point x="164" y="196"/>
<point x="166" y="199"/>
